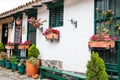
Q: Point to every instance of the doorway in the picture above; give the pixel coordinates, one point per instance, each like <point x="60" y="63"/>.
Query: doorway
<point x="4" y="33"/>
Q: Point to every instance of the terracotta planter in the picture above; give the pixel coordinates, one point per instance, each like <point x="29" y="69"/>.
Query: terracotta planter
<point x="102" y="44"/>
<point x="23" y="46"/>
<point x="51" y="36"/>
<point x="9" y="47"/>
<point x="32" y="69"/>
<point x="26" y="46"/>
<point x="20" y="47"/>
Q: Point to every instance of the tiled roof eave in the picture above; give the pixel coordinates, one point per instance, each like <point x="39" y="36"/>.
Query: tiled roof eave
<point x="23" y="7"/>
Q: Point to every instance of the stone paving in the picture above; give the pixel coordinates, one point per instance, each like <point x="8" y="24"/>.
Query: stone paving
<point x="8" y="74"/>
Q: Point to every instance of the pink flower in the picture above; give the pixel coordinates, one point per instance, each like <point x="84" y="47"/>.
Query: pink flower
<point x="112" y="12"/>
<point x="106" y="23"/>
<point x="97" y="8"/>
<point x="114" y="38"/>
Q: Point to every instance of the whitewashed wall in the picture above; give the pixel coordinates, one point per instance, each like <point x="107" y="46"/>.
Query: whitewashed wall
<point x="72" y="49"/>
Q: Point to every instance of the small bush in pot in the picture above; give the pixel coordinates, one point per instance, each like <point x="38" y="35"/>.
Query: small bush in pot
<point x="96" y="68"/>
<point x="32" y="63"/>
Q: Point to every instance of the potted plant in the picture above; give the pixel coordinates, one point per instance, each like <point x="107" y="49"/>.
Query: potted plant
<point x="14" y="62"/>
<point x="96" y="68"/>
<point x="102" y="41"/>
<point x="51" y="34"/>
<point x="24" y="45"/>
<point x="36" y="23"/>
<point x="7" y="61"/>
<point x="9" y="45"/>
<point x="21" y="66"/>
<point x="32" y="63"/>
<point x="18" y="21"/>
<point x="1" y="49"/>
<point x="3" y="57"/>
<point x="8" y="64"/>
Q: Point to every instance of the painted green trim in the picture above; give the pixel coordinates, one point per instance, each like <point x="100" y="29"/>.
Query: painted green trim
<point x="31" y="13"/>
<point x="94" y="17"/>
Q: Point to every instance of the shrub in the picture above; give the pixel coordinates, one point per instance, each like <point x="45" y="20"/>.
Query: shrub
<point x="96" y="68"/>
<point x="33" y="51"/>
<point x="1" y="47"/>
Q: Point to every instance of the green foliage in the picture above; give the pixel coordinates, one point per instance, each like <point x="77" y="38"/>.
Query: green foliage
<point x="13" y="59"/>
<point x="32" y="60"/>
<point x="3" y="55"/>
<point x="1" y="47"/>
<point x="96" y="68"/>
<point x="33" y="51"/>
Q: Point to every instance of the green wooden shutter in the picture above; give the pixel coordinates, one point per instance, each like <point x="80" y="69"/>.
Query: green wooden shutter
<point x="56" y="17"/>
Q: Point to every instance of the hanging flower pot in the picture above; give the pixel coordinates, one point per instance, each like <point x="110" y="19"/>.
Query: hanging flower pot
<point x="9" y="47"/>
<point x="51" y="34"/>
<point x="18" y="21"/>
<point x="101" y="44"/>
<point x="102" y="41"/>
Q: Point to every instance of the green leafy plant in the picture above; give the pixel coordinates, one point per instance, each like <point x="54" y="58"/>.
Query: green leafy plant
<point x="13" y="59"/>
<point x="33" y="51"/>
<point x="3" y="55"/>
<point x="96" y="68"/>
<point x="32" y="60"/>
<point x="117" y="26"/>
<point x="33" y="54"/>
<point x="2" y="47"/>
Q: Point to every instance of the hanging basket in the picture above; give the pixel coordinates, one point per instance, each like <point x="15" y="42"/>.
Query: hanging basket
<point x="18" y="22"/>
<point x="101" y="44"/>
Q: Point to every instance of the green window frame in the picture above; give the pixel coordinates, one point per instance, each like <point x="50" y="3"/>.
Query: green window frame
<point x="31" y="31"/>
<point x="112" y="61"/>
<point x="105" y="5"/>
<point x="56" y="17"/>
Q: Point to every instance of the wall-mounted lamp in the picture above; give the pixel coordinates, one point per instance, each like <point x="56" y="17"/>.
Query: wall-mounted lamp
<point x="74" y="22"/>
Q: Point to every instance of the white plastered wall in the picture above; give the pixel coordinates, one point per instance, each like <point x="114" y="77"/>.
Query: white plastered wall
<point x="72" y="49"/>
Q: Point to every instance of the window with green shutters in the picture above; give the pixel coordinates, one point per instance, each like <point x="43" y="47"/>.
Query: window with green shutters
<point x="104" y="5"/>
<point x="56" y="17"/>
<point x="56" y="12"/>
<point x="111" y="58"/>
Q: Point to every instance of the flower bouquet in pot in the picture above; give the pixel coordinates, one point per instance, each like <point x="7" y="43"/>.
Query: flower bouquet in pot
<point x="51" y="33"/>
<point x="102" y="41"/>
<point x="10" y="45"/>
<point x="24" y="45"/>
